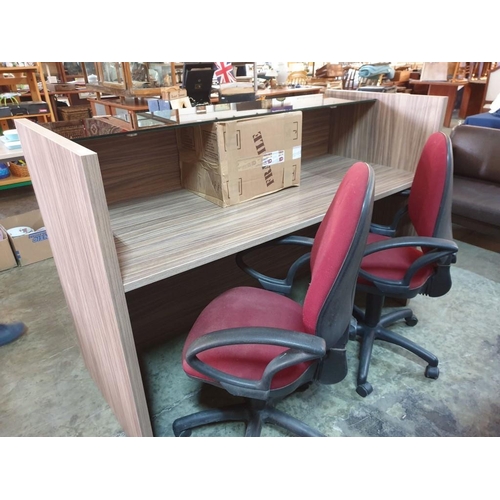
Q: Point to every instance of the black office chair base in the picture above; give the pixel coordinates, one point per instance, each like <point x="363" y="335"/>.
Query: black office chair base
<point x="364" y="389"/>
<point x="432" y="372"/>
<point x="254" y="414"/>
<point x="367" y="335"/>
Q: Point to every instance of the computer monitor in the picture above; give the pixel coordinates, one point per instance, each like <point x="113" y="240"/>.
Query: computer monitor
<point x="197" y="79"/>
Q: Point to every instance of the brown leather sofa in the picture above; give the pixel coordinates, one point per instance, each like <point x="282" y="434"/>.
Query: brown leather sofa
<point x="476" y="179"/>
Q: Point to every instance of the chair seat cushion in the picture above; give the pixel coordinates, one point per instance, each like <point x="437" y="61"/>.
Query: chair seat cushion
<point x="393" y="264"/>
<point x="246" y="307"/>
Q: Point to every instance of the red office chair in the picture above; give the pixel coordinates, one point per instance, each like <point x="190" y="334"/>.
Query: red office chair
<point x="261" y="345"/>
<point x="402" y="267"/>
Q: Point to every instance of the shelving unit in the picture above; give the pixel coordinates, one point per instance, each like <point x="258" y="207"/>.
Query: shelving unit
<point x="138" y="255"/>
<point x="7" y="155"/>
<point x="12" y="182"/>
<point x="31" y="76"/>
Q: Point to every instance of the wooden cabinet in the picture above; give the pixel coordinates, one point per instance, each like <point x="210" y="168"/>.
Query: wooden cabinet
<point x="134" y="79"/>
<point x="136" y="253"/>
<point x="12" y="79"/>
<point x="124" y="109"/>
<point x="12" y="181"/>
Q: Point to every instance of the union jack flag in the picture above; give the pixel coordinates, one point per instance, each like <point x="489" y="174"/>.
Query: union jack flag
<point x="224" y="72"/>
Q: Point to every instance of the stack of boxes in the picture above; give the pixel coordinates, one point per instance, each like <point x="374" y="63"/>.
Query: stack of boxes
<point x="26" y="248"/>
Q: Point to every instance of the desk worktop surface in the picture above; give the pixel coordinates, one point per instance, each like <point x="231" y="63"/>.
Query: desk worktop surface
<point x="166" y="235"/>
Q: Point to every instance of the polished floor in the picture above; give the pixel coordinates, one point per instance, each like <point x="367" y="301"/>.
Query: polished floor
<point x="45" y="389"/>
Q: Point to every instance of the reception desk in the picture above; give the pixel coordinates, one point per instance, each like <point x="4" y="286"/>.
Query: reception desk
<point x="138" y="256"/>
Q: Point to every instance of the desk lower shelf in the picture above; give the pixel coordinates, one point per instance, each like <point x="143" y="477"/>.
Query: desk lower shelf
<point x="169" y="234"/>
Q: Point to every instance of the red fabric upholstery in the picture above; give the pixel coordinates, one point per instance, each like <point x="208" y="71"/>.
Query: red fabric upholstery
<point x="394" y="263"/>
<point x="333" y="239"/>
<point x="248" y="306"/>
<point x="428" y="185"/>
<point x="424" y="202"/>
<point x="240" y="307"/>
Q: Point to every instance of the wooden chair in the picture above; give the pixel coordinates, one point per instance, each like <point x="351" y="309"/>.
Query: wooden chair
<point x="492" y="88"/>
<point x="350" y="79"/>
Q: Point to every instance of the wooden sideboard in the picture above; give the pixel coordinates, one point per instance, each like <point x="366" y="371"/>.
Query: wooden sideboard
<point x="135" y="252"/>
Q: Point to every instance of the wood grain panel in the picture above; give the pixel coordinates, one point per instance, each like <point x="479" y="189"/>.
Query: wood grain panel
<point x="352" y="131"/>
<point x="169" y="234"/>
<point x="137" y="164"/>
<point x="67" y="182"/>
<point x="396" y="131"/>
<point x="169" y="307"/>
<point x="315" y="132"/>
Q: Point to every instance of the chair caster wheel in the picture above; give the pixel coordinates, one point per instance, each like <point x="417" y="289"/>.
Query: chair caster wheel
<point x="303" y="387"/>
<point x="364" y="389"/>
<point x="432" y="372"/>
<point x="412" y="321"/>
<point x="185" y="433"/>
<point x="181" y="432"/>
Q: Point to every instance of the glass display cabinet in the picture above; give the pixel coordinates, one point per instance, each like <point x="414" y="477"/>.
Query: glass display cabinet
<point x="132" y="79"/>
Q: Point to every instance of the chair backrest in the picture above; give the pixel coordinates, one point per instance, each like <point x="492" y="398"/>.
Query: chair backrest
<point x="430" y="200"/>
<point x="336" y="256"/>
<point x="350" y="79"/>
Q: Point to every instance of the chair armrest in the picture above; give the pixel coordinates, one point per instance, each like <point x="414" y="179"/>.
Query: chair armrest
<point x="441" y="252"/>
<point x="302" y="347"/>
<point x="282" y="286"/>
<point x="391" y="229"/>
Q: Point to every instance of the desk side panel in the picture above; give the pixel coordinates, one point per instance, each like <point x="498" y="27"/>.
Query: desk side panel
<point x="393" y="133"/>
<point x="68" y="187"/>
<point x="352" y="130"/>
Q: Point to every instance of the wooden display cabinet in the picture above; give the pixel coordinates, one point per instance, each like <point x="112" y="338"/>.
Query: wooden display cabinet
<point x="133" y="79"/>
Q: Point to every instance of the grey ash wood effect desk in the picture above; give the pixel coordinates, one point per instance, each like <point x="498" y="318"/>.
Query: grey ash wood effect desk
<point x="133" y="249"/>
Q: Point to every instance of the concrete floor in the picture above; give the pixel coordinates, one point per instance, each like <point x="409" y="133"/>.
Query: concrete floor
<point x="45" y="389"/>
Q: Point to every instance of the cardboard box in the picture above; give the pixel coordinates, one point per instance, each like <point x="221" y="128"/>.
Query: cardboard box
<point x="172" y="93"/>
<point x="235" y="161"/>
<point x="7" y="259"/>
<point x="401" y="76"/>
<point x="31" y="247"/>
